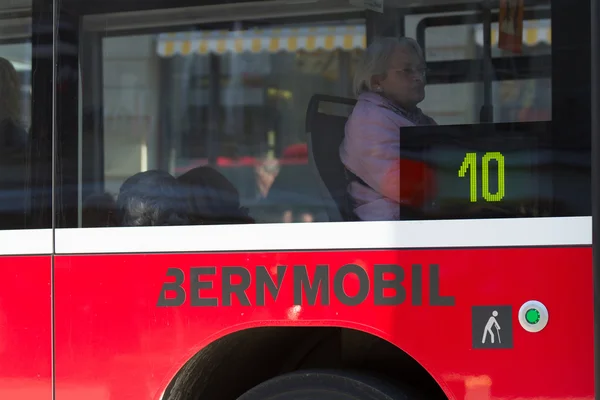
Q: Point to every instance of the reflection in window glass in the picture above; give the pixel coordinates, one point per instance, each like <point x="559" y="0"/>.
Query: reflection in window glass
<point x="19" y="56"/>
<point x="459" y="36"/>
<point x="232" y="99"/>
<point x="15" y="118"/>
<point x="235" y="96"/>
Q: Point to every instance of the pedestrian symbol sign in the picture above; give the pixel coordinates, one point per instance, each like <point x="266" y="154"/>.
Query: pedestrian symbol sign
<point x="492" y="322"/>
<point x="492" y="327"/>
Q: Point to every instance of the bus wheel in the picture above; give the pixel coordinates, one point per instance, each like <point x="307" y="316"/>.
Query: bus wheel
<point x="327" y="385"/>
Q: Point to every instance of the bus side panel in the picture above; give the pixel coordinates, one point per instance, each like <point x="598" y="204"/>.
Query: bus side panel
<point x="25" y="328"/>
<point x="113" y="341"/>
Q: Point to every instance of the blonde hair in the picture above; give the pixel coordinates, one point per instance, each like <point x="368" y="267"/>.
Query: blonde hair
<point x="10" y="93"/>
<point x="376" y="60"/>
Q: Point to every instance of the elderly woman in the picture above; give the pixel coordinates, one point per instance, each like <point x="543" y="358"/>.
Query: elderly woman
<point x="389" y="83"/>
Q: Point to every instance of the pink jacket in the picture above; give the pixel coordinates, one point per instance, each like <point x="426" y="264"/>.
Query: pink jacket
<point x="371" y="150"/>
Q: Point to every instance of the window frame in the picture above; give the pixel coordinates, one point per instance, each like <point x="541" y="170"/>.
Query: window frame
<point x="85" y="178"/>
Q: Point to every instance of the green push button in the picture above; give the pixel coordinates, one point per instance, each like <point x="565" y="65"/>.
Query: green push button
<point x="532" y="316"/>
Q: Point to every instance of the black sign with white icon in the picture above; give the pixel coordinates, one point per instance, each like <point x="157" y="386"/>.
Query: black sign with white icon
<point x="492" y="327"/>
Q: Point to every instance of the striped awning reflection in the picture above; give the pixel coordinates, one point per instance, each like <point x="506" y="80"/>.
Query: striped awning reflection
<point x="344" y="37"/>
<point x="534" y="33"/>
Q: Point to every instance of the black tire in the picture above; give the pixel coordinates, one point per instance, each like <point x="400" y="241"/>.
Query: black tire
<point x="327" y="385"/>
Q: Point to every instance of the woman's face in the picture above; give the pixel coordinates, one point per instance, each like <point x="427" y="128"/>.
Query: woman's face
<point x="404" y="82"/>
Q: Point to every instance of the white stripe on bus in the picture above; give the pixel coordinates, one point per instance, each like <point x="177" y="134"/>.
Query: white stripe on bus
<point x="515" y="232"/>
<point x="25" y="242"/>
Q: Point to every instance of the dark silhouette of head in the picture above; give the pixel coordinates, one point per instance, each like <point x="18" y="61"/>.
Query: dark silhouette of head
<point x="213" y="199"/>
<point x="13" y="136"/>
<point x="98" y="211"/>
<point x="152" y="198"/>
<point x="10" y="89"/>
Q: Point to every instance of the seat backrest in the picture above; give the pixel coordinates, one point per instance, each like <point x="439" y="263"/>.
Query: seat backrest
<point x="326" y="133"/>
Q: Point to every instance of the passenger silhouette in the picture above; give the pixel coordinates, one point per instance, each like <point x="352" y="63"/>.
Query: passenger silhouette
<point x="13" y="150"/>
<point x="152" y="198"/>
<point x="213" y="198"/>
<point x="98" y="211"/>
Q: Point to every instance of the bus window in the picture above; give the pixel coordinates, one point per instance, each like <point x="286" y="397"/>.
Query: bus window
<point x="219" y="106"/>
<point x="25" y="134"/>
<point x="513" y="138"/>
<point x="520" y="83"/>
<point x="224" y="108"/>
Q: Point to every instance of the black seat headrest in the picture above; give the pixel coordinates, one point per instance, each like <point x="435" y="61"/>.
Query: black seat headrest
<point x="326" y="135"/>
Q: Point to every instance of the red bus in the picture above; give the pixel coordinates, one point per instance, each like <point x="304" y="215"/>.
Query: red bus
<point x="482" y="290"/>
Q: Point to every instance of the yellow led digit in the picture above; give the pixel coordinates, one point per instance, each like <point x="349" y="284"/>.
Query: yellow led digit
<point x="499" y="195"/>
<point x="470" y="163"/>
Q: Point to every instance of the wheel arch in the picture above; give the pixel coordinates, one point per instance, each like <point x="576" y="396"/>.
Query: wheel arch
<point x="255" y="354"/>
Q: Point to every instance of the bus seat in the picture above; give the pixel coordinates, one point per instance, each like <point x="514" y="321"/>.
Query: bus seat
<point x="325" y="134"/>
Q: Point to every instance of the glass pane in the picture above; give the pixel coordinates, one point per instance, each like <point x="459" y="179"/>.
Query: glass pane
<point x="231" y="97"/>
<point x="500" y="148"/>
<point x="235" y="96"/>
<point x="459" y="35"/>
<point x="24" y="192"/>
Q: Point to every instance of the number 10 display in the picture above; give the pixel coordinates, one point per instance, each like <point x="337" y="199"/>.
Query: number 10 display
<point x="470" y="163"/>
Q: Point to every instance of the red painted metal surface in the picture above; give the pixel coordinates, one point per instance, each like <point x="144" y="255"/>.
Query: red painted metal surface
<point x="25" y="328"/>
<point x="113" y="342"/>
